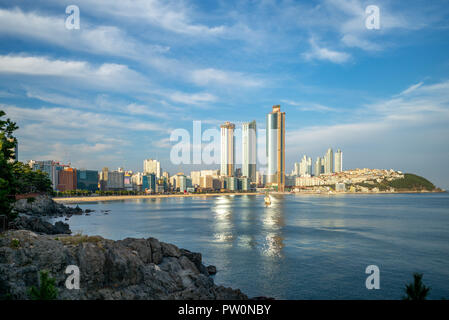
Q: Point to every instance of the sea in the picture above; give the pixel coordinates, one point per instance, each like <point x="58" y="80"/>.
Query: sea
<point x="299" y="247"/>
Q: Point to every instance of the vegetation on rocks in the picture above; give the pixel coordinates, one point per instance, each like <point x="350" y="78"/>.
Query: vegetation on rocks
<point x="46" y="290"/>
<point x="16" y="177"/>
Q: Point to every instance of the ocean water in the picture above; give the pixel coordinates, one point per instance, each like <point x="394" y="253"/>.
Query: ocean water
<point x="300" y="247"/>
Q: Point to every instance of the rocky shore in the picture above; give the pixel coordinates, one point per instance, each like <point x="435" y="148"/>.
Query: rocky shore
<point x="112" y="270"/>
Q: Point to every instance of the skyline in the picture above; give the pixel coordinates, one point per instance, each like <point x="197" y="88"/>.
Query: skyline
<point x="109" y="93"/>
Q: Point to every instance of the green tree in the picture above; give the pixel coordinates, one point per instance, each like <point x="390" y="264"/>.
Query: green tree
<point x="8" y="144"/>
<point x="416" y="290"/>
<point x="46" y="290"/>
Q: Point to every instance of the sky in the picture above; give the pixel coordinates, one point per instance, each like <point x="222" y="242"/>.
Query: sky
<point x="112" y="92"/>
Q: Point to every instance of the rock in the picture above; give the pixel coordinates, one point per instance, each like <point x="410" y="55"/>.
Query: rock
<point x="43" y="205"/>
<point x="170" y="250"/>
<point x="116" y="270"/>
<point x="196" y="258"/>
<point x="156" y="250"/>
<point x="211" y="269"/>
<point x="38" y="224"/>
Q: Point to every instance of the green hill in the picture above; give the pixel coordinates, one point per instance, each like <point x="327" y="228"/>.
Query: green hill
<point x="410" y="182"/>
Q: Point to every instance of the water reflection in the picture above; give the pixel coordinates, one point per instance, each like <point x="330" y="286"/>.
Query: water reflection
<point x="223" y="225"/>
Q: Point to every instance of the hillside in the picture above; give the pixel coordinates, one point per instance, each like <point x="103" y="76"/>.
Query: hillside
<point x="410" y="182"/>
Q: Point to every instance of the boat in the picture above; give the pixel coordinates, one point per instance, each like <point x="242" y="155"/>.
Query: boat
<point x="267" y="199"/>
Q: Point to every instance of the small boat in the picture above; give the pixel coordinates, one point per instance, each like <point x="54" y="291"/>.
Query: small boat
<point x="267" y="199"/>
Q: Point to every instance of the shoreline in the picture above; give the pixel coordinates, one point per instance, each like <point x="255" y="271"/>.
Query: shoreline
<point x="152" y="196"/>
<point x="74" y="200"/>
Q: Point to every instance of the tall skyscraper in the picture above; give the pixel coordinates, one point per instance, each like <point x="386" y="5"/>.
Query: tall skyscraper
<point x="339" y="161"/>
<point x="227" y="149"/>
<point x="305" y="166"/>
<point x="329" y="161"/>
<point x="152" y="166"/>
<point x="318" y="166"/>
<point x="276" y="148"/>
<point x="249" y="151"/>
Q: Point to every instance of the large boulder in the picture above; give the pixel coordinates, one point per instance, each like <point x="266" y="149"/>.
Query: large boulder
<point x="43" y="205"/>
<point x="126" y="269"/>
<point x="37" y="224"/>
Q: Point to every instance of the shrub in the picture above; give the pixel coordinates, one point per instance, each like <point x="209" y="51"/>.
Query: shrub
<point x="47" y="289"/>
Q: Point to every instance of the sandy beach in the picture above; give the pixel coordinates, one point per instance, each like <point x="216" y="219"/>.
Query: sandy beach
<point x="152" y="196"/>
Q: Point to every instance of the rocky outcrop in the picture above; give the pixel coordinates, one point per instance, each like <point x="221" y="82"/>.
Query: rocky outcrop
<point x="125" y="269"/>
<point x="38" y="224"/>
<point x="44" y="205"/>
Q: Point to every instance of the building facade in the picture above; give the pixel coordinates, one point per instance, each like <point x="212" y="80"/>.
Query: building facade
<point x="227" y="149"/>
<point x="249" y="150"/>
<point x="152" y="166"/>
<point x="338" y="161"/>
<point x="329" y="161"/>
<point x="275" y="145"/>
<point x="87" y="180"/>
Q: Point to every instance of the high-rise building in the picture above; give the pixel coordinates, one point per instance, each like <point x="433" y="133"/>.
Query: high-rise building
<point x="103" y="181"/>
<point x="260" y="181"/>
<point x="87" y="180"/>
<point x="276" y="148"/>
<point x="67" y="179"/>
<point x="182" y="181"/>
<point x="51" y="168"/>
<point x="116" y="180"/>
<point x="295" y="171"/>
<point x="305" y="166"/>
<point x="149" y="183"/>
<point x="249" y="150"/>
<point x="227" y="149"/>
<point x="196" y="177"/>
<point x="318" y="166"/>
<point x="338" y="161"/>
<point x="329" y="161"/>
<point x="152" y="166"/>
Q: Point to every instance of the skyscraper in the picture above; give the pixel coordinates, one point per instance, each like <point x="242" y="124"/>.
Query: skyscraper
<point x="339" y="161"/>
<point x="152" y="166"/>
<point x="318" y="166"/>
<point x="249" y="151"/>
<point x="276" y="148"/>
<point x="305" y="166"/>
<point x="227" y="149"/>
<point x="329" y="161"/>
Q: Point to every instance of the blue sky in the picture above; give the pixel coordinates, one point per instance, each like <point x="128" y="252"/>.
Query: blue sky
<point x="110" y="93"/>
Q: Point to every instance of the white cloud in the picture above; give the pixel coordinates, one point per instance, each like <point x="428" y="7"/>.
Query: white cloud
<point x="106" y="75"/>
<point x="108" y="40"/>
<point x="310" y="106"/>
<point x="193" y="99"/>
<point x="170" y="15"/>
<point x="321" y="53"/>
<point x="213" y="76"/>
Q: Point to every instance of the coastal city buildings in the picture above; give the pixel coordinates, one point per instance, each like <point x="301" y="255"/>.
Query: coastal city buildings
<point x="327" y="171"/>
<point x="329" y="162"/>
<point x="305" y="166"/>
<point x="318" y="166"/>
<point x="227" y="149"/>
<point x="152" y="166"/>
<point x="275" y="148"/>
<point x="249" y="151"/>
<point x="338" y="161"/>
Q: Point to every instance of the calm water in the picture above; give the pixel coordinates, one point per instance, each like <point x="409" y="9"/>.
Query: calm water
<point x="301" y="247"/>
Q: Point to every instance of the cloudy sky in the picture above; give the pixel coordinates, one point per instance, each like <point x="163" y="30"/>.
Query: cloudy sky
<point x="112" y="92"/>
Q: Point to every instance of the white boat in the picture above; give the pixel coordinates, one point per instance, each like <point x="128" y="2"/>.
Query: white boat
<point x="267" y="200"/>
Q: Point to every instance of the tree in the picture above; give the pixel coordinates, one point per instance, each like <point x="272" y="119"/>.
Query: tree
<point x="47" y="290"/>
<point x="8" y="144"/>
<point x="416" y="290"/>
